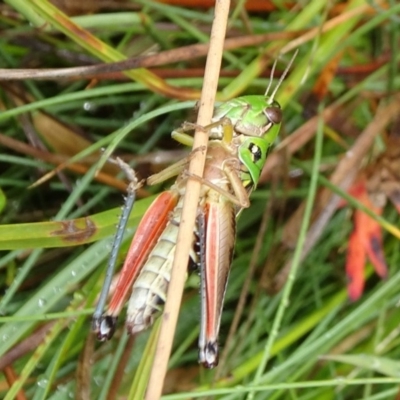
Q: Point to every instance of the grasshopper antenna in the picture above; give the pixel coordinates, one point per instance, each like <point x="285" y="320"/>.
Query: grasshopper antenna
<point x="285" y="72"/>
<point x="271" y="77"/>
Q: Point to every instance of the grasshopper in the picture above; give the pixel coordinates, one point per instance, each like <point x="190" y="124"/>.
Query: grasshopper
<point x="241" y="132"/>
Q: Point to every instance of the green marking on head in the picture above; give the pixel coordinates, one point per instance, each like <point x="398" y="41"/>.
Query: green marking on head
<point x="253" y="154"/>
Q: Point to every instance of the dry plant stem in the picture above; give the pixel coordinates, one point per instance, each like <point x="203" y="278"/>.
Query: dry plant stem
<point x="25" y="346"/>
<point x="189" y="210"/>
<point x="181" y="54"/>
<point x="387" y="341"/>
<point x="84" y="371"/>
<point x="11" y="377"/>
<point x="60" y="160"/>
<point x="332" y="23"/>
<point x="164" y="58"/>
<point x="119" y="373"/>
<point x="349" y="343"/>
<point x="341" y="177"/>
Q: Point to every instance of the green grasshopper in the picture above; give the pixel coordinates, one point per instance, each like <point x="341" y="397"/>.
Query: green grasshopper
<point x="241" y="132"/>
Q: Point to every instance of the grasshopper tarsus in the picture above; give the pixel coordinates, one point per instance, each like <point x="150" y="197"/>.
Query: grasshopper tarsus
<point x="209" y="355"/>
<point x="104" y="327"/>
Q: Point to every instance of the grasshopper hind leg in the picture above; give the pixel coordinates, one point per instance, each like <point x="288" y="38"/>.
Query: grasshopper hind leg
<point x="208" y="349"/>
<point x="105" y="327"/>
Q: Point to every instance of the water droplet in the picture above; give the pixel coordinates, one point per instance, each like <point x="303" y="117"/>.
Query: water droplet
<point x="41" y="302"/>
<point x="340" y="380"/>
<point x="89" y="106"/>
<point x="295" y="173"/>
<point x="73" y="273"/>
<point x="376" y="364"/>
<point x="62" y="388"/>
<point x="97" y="381"/>
<point x="42" y="383"/>
<point x="79" y="296"/>
<point x="5" y="338"/>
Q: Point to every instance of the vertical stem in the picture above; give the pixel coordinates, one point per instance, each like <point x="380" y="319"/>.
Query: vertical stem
<point x="175" y="290"/>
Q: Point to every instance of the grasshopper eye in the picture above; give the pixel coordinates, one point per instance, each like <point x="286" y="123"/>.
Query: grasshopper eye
<point x="274" y="114"/>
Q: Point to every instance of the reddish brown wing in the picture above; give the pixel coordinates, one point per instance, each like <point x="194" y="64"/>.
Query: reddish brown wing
<point x="149" y="230"/>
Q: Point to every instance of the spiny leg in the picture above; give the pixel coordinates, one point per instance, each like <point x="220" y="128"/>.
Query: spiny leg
<point x="173" y="170"/>
<point x="181" y="136"/>
<point x="216" y="224"/>
<point x="99" y="325"/>
<point x="240" y="196"/>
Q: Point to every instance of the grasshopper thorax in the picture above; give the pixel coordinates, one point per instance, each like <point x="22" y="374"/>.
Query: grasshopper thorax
<point x="253" y="115"/>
